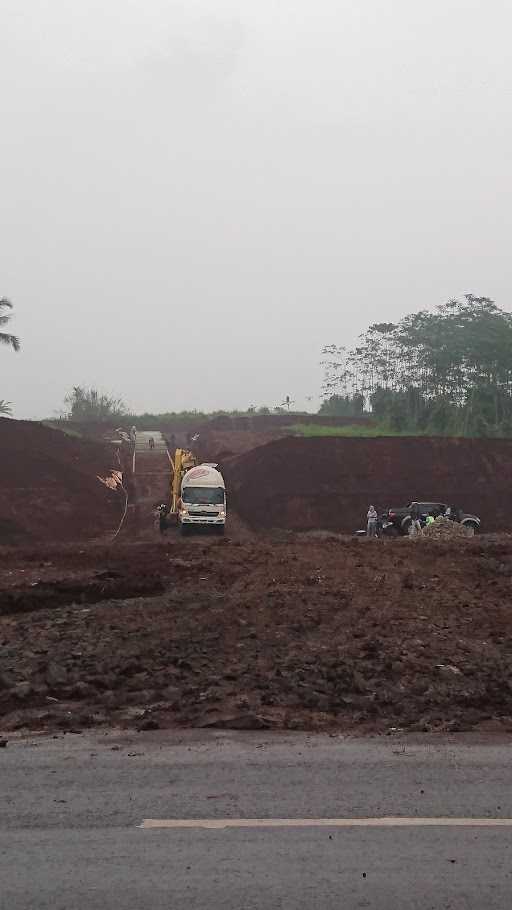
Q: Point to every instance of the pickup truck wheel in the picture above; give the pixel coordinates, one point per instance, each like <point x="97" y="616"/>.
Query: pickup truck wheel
<point x="471" y="528"/>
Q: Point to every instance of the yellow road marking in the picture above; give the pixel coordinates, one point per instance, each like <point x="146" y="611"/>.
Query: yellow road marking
<point x="382" y="822"/>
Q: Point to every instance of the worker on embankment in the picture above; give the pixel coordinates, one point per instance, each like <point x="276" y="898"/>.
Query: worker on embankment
<point x="151" y="442"/>
<point x="372" y="518"/>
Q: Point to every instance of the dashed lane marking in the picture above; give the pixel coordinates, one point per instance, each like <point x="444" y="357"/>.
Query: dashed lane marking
<point x="382" y="822"/>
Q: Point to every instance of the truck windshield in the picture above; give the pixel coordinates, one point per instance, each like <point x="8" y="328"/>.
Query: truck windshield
<point x="212" y="496"/>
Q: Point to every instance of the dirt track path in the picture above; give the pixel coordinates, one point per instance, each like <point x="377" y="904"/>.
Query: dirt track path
<point x="150" y="483"/>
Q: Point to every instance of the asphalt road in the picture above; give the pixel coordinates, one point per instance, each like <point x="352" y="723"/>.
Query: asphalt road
<point x="71" y="810"/>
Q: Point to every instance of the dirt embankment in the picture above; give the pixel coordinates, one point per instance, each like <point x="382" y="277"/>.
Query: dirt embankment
<point x="304" y="484"/>
<point x="49" y="488"/>
<point x="219" y="445"/>
<point x="289" y="632"/>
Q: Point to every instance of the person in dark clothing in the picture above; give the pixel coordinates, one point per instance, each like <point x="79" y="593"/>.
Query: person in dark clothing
<point x="162" y="518"/>
<point x="151" y="442"/>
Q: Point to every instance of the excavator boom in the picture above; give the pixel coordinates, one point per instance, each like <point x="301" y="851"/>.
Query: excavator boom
<point x="181" y="463"/>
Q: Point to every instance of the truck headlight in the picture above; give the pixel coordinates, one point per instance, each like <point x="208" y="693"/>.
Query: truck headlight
<point x="183" y="512"/>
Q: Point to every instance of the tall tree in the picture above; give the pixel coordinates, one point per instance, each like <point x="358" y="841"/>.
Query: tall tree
<point x="449" y="370"/>
<point x="5" y="338"/>
<point x="91" y="404"/>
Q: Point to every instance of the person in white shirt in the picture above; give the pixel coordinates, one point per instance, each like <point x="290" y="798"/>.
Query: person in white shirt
<point x="372" y="518"/>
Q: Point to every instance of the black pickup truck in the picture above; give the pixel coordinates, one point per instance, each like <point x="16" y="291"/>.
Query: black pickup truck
<point x="396" y="521"/>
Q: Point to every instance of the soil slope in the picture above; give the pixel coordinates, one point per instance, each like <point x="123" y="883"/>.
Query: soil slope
<point x="49" y="488"/>
<point x="221" y="445"/>
<point x="304" y="484"/>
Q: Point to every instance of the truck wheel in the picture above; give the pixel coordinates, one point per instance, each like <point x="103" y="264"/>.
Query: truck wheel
<point x="471" y="528"/>
<point x="406" y="524"/>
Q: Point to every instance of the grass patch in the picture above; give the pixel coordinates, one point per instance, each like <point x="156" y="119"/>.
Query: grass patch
<point x="311" y="429"/>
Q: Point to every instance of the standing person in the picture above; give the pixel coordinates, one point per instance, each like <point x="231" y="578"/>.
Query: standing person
<point x="372" y="517"/>
<point x="162" y="512"/>
<point x="151" y="442"/>
<point x="415" y="526"/>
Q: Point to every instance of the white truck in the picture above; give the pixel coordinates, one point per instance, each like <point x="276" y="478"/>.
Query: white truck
<point x="203" y="499"/>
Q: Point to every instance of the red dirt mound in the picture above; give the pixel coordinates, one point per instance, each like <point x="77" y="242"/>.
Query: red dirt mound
<point x="218" y="445"/>
<point x="303" y="484"/>
<point x="49" y="488"/>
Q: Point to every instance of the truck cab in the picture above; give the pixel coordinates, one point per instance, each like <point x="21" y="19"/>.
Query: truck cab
<point x="203" y="499"/>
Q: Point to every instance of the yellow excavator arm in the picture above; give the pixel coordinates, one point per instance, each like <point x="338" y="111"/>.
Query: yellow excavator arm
<point x="181" y="463"/>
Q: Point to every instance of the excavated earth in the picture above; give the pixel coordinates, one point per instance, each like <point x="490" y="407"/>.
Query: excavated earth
<point x="311" y="631"/>
<point x="49" y="487"/>
<point x="265" y="628"/>
<point x="304" y="484"/>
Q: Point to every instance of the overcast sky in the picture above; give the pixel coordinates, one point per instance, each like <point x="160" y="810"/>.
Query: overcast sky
<point x="196" y="196"/>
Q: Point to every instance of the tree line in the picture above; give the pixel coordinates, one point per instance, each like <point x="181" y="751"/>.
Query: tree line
<point x="85" y="404"/>
<point x="448" y="371"/>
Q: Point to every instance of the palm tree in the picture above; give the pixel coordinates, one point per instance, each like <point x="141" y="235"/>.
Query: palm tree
<point x="12" y="340"/>
<point x="5" y="407"/>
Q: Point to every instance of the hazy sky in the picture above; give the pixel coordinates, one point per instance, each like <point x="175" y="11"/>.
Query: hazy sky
<point x="196" y="196"/>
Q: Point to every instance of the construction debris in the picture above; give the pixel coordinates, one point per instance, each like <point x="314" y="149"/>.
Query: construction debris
<point x="113" y="480"/>
<point x="443" y="528"/>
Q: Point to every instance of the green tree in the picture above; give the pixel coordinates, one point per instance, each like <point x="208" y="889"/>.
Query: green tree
<point x="446" y="371"/>
<point x="343" y="406"/>
<point x="5" y="338"/>
<point x="90" y="404"/>
<point x="5" y="407"/>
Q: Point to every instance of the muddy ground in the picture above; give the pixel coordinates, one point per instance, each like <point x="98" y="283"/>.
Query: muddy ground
<point x="290" y="631"/>
<point x="265" y="628"/>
